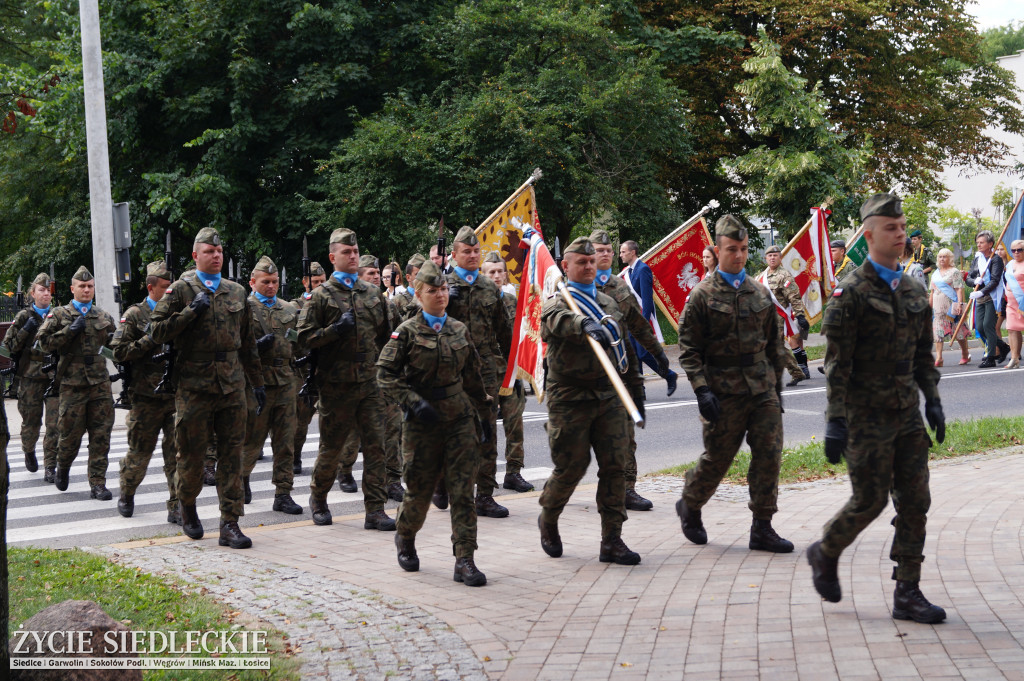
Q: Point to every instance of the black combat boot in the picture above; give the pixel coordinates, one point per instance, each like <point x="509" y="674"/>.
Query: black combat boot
<point x="671" y="380"/>
<point x="396" y="492"/>
<point x="321" y="514"/>
<point x="49" y="475"/>
<point x="407" y="558"/>
<point x="126" y="505"/>
<point x="909" y="603"/>
<point x="824" y="573"/>
<point x="174" y="516"/>
<point x="231" y="535"/>
<point x="31" y="465"/>
<point x="100" y="491"/>
<point x="635" y="502"/>
<point x="515" y="481"/>
<point x="801" y="360"/>
<point x="378" y="520"/>
<point x="209" y="476"/>
<point x="297" y="464"/>
<point x="246" y="490"/>
<point x="486" y="506"/>
<point x="347" y="483"/>
<point x="190" y="523"/>
<point x="440" y="496"/>
<point x="763" y="537"/>
<point x="62" y="478"/>
<point x="285" y="504"/>
<point x="693" y="528"/>
<point x="795" y="381"/>
<point x="615" y="551"/>
<point x="467" y="573"/>
<point x="550" y="540"/>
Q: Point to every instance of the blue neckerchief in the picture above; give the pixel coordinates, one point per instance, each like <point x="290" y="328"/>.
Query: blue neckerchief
<point x="436" y="323"/>
<point x="603" y="276"/>
<point x="42" y="312"/>
<point x="210" y="281"/>
<point x="308" y="295"/>
<point x="411" y="291"/>
<point x="468" y="276"/>
<point x="151" y="303"/>
<point x="890" y="277"/>
<point x="82" y="307"/>
<point x="268" y="301"/>
<point x="589" y="289"/>
<point x="734" y="280"/>
<point x="345" y="279"/>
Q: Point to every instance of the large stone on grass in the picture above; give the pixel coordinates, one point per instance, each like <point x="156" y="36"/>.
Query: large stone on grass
<point x="69" y="616"/>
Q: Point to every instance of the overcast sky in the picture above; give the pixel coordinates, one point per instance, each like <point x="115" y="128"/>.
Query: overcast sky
<point x="996" y="12"/>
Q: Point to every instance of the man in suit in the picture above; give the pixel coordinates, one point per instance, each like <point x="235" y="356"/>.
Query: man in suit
<point x="642" y="281"/>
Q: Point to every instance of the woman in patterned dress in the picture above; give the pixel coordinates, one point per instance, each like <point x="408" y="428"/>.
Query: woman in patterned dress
<point x="946" y="295"/>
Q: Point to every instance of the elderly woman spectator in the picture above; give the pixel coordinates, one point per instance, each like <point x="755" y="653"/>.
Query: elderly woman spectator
<point x="946" y="296"/>
<point x="1013" y="278"/>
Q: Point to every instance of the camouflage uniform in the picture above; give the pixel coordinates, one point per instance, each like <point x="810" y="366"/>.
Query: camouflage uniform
<point x="304" y="411"/>
<point x="787" y="293"/>
<point x="216" y="355"/>
<point x="404" y="298"/>
<point x="86" y="403"/>
<point x="512" y="406"/>
<point x="151" y="412"/>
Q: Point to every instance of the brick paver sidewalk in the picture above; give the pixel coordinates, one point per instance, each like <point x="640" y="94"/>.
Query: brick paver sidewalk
<point x="711" y="612"/>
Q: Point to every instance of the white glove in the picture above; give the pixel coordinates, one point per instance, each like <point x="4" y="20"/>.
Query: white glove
<point x="976" y="294"/>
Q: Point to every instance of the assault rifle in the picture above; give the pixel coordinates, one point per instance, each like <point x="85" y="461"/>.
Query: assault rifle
<point x="308" y="391"/>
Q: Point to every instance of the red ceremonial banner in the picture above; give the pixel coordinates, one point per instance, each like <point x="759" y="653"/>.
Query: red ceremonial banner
<point x="677" y="266"/>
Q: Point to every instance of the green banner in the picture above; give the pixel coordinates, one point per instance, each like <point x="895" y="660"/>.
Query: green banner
<point x="857" y="248"/>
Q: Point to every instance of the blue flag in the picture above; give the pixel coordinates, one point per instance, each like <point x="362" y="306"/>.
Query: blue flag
<point x="1015" y="225"/>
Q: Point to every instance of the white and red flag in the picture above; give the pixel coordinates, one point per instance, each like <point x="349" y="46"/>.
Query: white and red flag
<point x="807" y="259"/>
<point x="788" y="321"/>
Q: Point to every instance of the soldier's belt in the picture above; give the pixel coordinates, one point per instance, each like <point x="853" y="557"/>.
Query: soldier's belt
<point x="599" y="383"/>
<point x="218" y="356"/>
<point x="281" y="361"/>
<point x="87" y="360"/>
<point x="747" y="360"/>
<point x="444" y="392"/>
<point x="900" y="368"/>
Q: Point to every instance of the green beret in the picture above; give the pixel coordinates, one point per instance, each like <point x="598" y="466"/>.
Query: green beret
<point x="416" y="260"/>
<point x="772" y="249"/>
<point x="887" y="205"/>
<point x="466" y="236"/>
<point x="158" y="269"/>
<point x="368" y="261"/>
<point x="581" y="245"/>
<point x="207" y="235"/>
<point x="316" y="269"/>
<point x="838" y="243"/>
<point x="430" y="274"/>
<point x="42" y="279"/>
<point x="600" y="236"/>
<point x="83" y="274"/>
<point x="730" y="227"/>
<point x="493" y="257"/>
<point x="914" y="232"/>
<point x="344" y="236"/>
<point x="265" y="264"/>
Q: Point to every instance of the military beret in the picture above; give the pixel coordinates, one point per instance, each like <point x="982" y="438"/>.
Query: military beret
<point x="265" y="264"/>
<point x="416" y="260"/>
<point x="838" y="243"/>
<point x="730" y="226"/>
<point x="430" y="274"/>
<point x="316" y="269"/>
<point x="83" y="274"/>
<point x="158" y="268"/>
<point x="581" y="245"/>
<point x="772" y="249"/>
<point x="344" y="236"/>
<point x="368" y="261"/>
<point x="888" y="205"/>
<point x="207" y="235"/>
<point x="42" y="279"/>
<point x="493" y="257"/>
<point x="600" y="236"/>
<point x="914" y="232"/>
<point x="466" y="236"/>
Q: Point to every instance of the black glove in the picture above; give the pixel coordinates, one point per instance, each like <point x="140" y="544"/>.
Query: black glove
<point x="453" y="293"/>
<point x="936" y="419"/>
<point x="31" y="325"/>
<point x="595" y="331"/>
<point x="146" y="343"/>
<point x="801" y="321"/>
<point x="781" y="408"/>
<point x="639" y="395"/>
<point x="264" y="342"/>
<point x="662" y="360"/>
<point x="485" y="430"/>
<point x="709" y="406"/>
<point x="78" y="326"/>
<point x="200" y="303"/>
<point x="345" y="323"/>
<point x="424" y="411"/>
<point x="261" y="399"/>
<point x="836" y="436"/>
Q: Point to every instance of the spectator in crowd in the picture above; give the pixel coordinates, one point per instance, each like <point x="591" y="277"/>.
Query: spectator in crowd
<point x="710" y="261"/>
<point x="912" y="267"/>
<point x="1014" y="281"/>
<point x="641" y="280"/>
<point x="1001" y="311"/>
<point x="986" y="278"/>
<point x="946" y="296"/>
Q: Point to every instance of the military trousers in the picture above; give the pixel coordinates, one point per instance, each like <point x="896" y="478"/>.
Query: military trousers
<point x="760" y="419"/>
<point x="86" y="408"/>
<point x="344" y="408"/>
<point x="277" y="419"/>
<point x="573" y="428"/>
<point x="512" y="408"/>
<point x="429" y="450"/>
<point x="792" y="366"/>
<point x="147" y="418"/>
<point x="887" y="453"/>
<point x="303" y="417"/>
<point x="486" y="480"/>
<point x="200" y="416"/>
<point x="392" y="447"/>
<point x="31" y="407"/>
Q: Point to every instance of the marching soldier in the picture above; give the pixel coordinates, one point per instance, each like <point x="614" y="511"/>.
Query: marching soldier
<point x="431" y="368"/>
<point x="346" y="320"/>
<point x="878" y="326"/>
<point x="513" y="405"/>
<point x="33" y="381"/>
<point x="404" y="297"/>
<point x="152" y="411"/>
<point x="788" y="294"/>
<point x="732" y="353"/>
<point x="76" y="332"/>
<point x="303" y="409"/>
<point x="583" y="412"/>
<point x="207" y="318"/>
<point x="640" y="329"/>
<point x="272" y="319"/>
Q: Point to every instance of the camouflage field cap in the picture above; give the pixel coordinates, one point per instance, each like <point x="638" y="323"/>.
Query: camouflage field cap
<point x="600" y="236"/>
<point x="838" y="243"/>
<point x="887" y="205"/>
<point x="265" y="264"/>
<point x="158" y="268"/>
<point x="466" y="236"/>
<point x="83" y="274"/>
<point x="581" y="245"/>
<point x="368" y="261"/>
<point x="42" y="279"/>
<point x="430" y="274"/>
<point x="493" y="257"/>
<point x="914" y="232"/>
<point x="772" y="249"/>
<point x="344" y="236"/>
<point x="730" y="227"/>
<point x="416" y="260"/>
<point x="316" y="269"/>
<point x="207" y="235"/>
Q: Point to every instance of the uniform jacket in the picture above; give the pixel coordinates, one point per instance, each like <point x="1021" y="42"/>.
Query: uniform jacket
<point x="133" y="343"/>
<point x="278" y="360"/>
<point x="17" y="340"/>
<point x="638" y="326"/>
<point x="785" y="289"/>
<point x="80" y="361"/>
